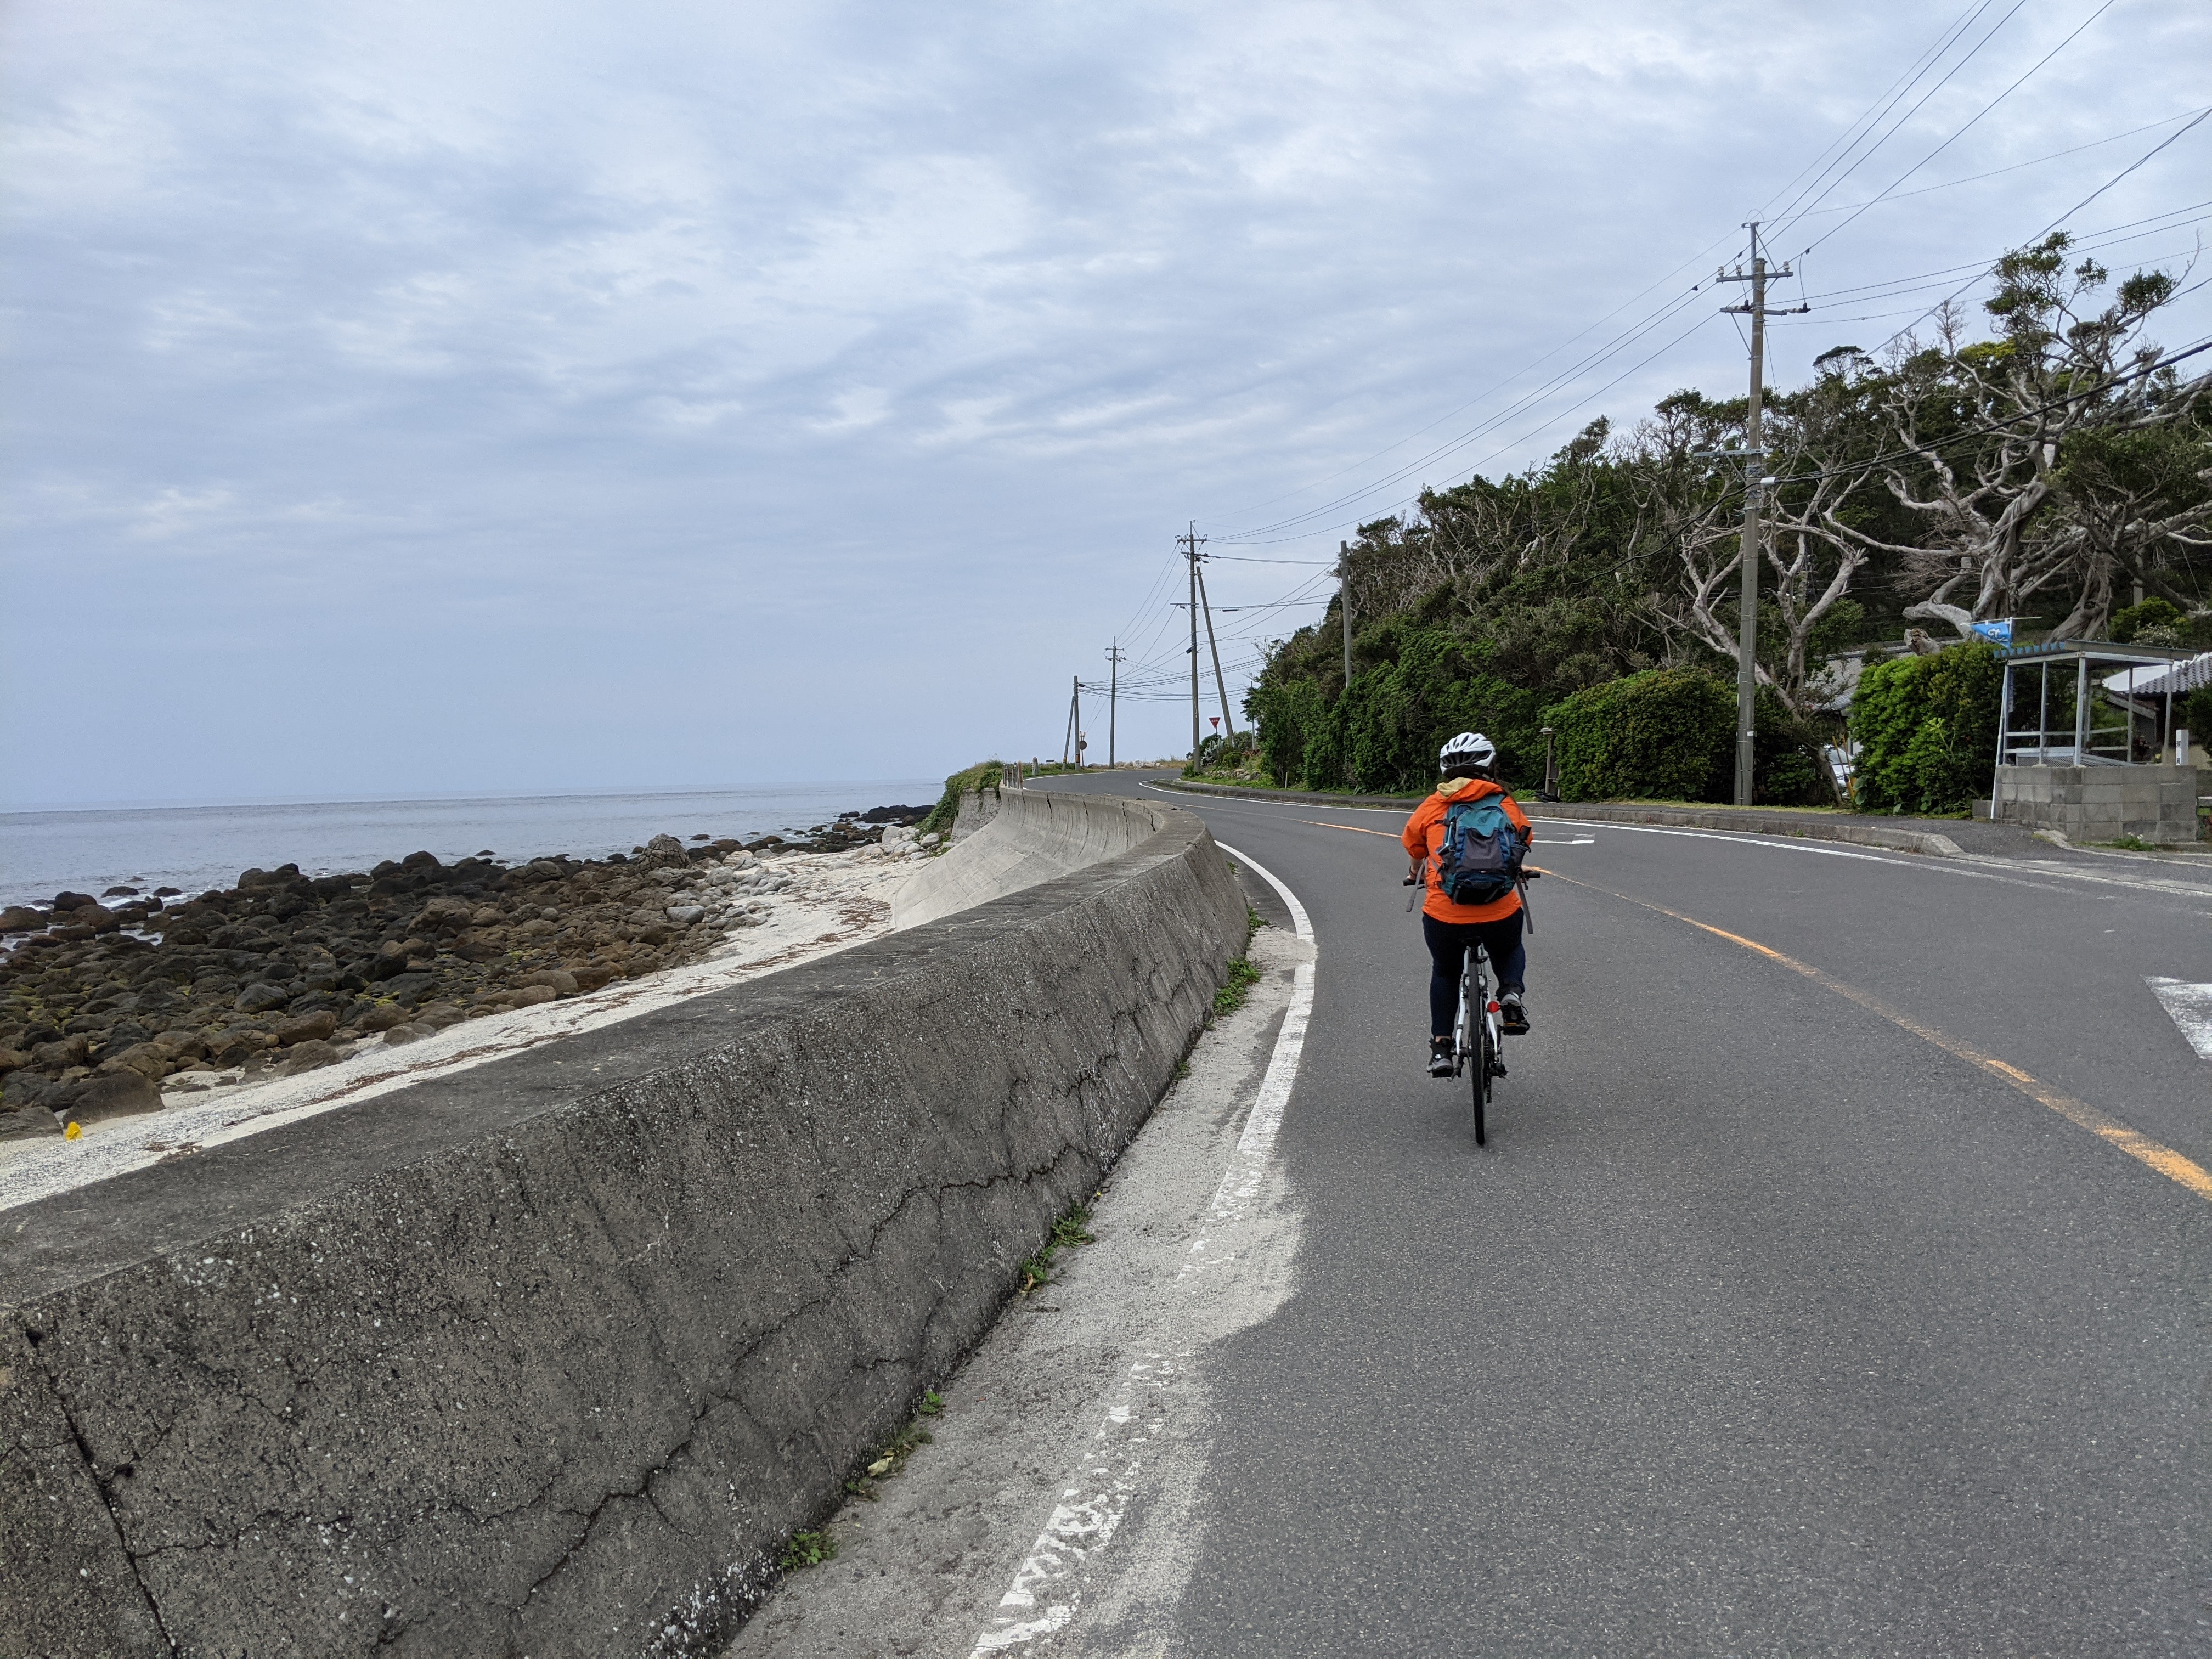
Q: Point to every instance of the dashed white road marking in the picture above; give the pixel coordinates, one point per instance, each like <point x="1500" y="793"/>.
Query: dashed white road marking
<point x="2190" y="1008"/>
<point x="1047" y="1587"/>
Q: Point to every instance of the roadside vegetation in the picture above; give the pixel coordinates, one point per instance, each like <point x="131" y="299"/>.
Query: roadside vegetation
<point x="1072" y="1229"/>
<point x="986" y="774"/>
<point x="2045" y="474"/>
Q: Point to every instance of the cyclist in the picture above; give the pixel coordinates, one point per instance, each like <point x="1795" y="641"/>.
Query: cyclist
<point x="1469" y="764"/>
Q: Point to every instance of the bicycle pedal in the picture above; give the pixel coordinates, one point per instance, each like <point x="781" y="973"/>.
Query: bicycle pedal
<point x="1497" y="1071"/>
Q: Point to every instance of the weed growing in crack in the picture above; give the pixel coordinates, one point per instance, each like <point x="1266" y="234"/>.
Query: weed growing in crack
<point x="809" y="1549"/>
<point x="1070" y="1231"/>
<point x="891" y="1457"/>
<point x="1242" y="976"/>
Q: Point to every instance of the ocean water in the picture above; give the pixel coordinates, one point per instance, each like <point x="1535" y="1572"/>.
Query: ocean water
<point x="198" y="847"/>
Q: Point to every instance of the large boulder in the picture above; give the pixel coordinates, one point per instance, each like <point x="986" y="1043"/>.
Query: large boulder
<point x="306" y="1028"/>
<point x="120" y="1094"/>
<point x="62" y="1053"/>
<point x="149" y="1059"/>
<point x="27" y="1120"/>
<point x="308" y="1055"/>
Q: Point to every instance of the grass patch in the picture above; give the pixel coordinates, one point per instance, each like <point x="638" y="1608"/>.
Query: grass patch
<point x="808" y="1549"/>
<point x="2133" y="844"/>
<point x="1242" y="976"/>
<point x="986" y="775"/>
<point x="1070" y="1231"/>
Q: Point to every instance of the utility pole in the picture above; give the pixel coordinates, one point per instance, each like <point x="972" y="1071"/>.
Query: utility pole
<point x="1344" y="604"/>
<point x="1079" y="722"/>
<point x="1113" y="696"/>
<point x="1067" y="742"/>
<point x="1753" y="542"/>
<point x="1228" y="721"/>
<point x="1190" y="541"/>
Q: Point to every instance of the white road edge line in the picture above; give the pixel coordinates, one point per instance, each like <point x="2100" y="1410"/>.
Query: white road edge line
<point x="1047" y="1587"/>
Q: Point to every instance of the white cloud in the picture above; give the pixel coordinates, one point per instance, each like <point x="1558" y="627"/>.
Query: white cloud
<point x="701" y="340"/>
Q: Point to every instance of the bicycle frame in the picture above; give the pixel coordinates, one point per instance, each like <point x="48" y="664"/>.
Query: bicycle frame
<point x="1473" y="995"/>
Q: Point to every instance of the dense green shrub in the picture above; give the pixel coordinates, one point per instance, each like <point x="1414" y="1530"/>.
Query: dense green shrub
<point x="1928" y="729"/>
<point x="988" y="774"/>
<point x="2155" y="613"/>
<point x="1665" y="733"/>
<point x="2156" y="622"/>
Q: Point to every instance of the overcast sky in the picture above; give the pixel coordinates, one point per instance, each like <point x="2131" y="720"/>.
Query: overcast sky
<point x="484" y="397"/>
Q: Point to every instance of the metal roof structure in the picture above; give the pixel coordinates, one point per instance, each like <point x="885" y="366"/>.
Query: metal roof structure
<point x="2087" y="715"/>
<point x="2095" y="651"/>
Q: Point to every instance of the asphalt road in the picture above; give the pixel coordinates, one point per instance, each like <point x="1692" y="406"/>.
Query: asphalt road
<point x="1765" y="1324"/>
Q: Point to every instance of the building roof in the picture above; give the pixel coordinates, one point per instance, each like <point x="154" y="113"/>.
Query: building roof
<point x="2193" y="675"/>
<point x="2093" y="650"/>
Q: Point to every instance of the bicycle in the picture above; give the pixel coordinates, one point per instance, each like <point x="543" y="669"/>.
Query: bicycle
<point x="1476" y="1028"/>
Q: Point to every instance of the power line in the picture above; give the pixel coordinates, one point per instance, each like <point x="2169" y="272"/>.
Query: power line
<point x="2131" y="166"/>
<point x="1978" y="114"/>
<point x="1998" y="172"/>
<point x="1784" y="217"/>
<point x="1869" y="118"/>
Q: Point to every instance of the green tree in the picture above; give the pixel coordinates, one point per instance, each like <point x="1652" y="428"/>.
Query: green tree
<point x="1927" y="727"/>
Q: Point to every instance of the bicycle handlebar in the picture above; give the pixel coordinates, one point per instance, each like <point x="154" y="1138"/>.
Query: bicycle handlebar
<point x="1529" y="872"/>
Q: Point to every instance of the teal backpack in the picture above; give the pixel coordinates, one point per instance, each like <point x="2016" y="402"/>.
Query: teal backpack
<point x="1480" y="862"/>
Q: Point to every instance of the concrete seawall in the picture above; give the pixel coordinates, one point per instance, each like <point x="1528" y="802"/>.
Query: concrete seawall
<point x="549" y="1357"/>
<point x="1009" y="840"/>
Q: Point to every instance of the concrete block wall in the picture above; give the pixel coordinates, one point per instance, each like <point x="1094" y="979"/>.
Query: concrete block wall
<point x="547" y="1358"/>
<point x="2102" y="803"/>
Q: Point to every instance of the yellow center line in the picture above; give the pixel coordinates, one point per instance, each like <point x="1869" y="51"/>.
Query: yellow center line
<point x="1356" y="828"/>
<point x="2141" y="1147"/>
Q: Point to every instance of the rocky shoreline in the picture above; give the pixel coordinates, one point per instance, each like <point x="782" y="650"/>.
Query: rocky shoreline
<point x="107" y="1005"/>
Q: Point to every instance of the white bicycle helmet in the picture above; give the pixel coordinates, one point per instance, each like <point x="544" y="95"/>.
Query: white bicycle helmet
<point x="1468" y="749"/>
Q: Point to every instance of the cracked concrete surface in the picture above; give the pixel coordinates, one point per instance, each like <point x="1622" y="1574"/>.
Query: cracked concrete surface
<point x="1106" y="1363"/>
<point x="548" y="1358"/>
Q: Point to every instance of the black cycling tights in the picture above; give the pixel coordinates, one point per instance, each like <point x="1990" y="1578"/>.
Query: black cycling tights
<point x="1448" y="943"/>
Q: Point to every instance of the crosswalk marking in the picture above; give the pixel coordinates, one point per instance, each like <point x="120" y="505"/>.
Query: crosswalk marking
<point x="2190" y="1007"/>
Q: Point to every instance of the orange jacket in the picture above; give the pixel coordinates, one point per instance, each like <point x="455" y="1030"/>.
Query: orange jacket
<point x="1425" y="833"/>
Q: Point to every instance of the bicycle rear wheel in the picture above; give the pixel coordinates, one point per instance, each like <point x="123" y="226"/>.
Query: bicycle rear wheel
<point x="1475" y="993"/>
<point x="1479" y="1063"/>
<point x="1486" y="1091"/>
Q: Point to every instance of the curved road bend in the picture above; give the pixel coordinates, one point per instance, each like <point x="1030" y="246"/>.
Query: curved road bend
<point x="1765" y="1324"/>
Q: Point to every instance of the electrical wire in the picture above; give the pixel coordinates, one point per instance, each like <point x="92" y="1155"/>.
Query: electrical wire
<point x="1996" y="172"/>
<point x="2139" y="161"/>
<point x="1784" y="217"/>
<point x="1962" y="131"/>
